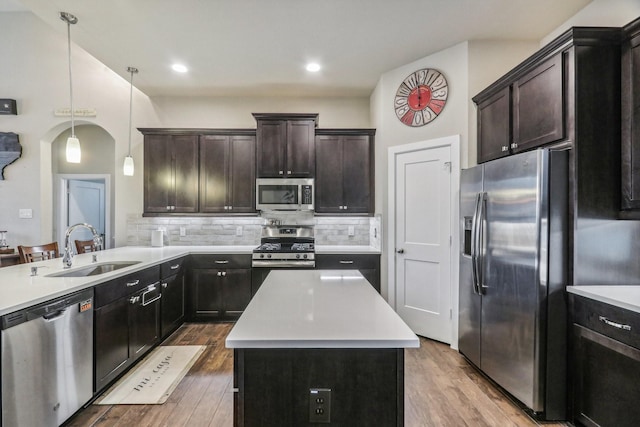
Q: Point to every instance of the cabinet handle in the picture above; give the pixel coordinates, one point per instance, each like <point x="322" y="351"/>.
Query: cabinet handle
<point x="175" y="267"/>
<point x="224" y="273"/>
<point x="514" y="145"/>
<point x="614" y="324"/>
<point x="281" y="172"/>
<point x="164" y="285"/>
<point x="289" y="172"/>
<point x="346" y="262"/>
<point x="134" y="300"/>
<point x="219" y="273"/>
<point x="230" y="208"/>
<point x="346" y="207"/>
<point x="134" y="283"/>
<point x="505" y="148"/>
<point x="168" y="208"/>
<point x="221" y="261"/>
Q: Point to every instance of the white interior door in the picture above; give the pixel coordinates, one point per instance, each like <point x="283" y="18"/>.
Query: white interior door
<point x="422" y="240"/>
<point x="85" y="203"/>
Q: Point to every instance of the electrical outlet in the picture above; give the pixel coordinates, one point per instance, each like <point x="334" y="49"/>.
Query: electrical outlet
<point x="352" y="230"/>
<point x="320" y="405"/>
<point x="239" y="230"/>
<point x="183" y="231"/>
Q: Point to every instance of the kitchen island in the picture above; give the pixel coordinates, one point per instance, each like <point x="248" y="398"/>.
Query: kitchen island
<point x="318" y="346"/>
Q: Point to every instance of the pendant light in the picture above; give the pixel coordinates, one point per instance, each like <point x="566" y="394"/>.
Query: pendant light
<point x="73" y="144"/>
<point x="127" y="167"/>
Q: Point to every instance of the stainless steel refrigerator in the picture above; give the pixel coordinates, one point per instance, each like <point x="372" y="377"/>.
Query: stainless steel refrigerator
<point x="514" y="213"/>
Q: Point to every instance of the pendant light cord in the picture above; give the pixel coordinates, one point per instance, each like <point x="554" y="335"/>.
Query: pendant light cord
<point x="70" y="19"/>
<point x="132" y="70"/>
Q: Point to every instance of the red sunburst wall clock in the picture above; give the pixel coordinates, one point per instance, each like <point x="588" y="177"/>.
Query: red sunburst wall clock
<point x="421" y="97"/>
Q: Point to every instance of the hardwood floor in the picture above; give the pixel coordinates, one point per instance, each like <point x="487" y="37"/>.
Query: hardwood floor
<point x="441" y="389"/>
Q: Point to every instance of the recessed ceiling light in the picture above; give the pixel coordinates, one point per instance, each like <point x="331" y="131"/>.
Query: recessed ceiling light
<point x="179" y="68"/>
<point x="313" y="67"/>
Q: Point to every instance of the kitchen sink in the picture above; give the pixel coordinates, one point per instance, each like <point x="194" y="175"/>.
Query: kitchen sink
<point x="94" y="269"/>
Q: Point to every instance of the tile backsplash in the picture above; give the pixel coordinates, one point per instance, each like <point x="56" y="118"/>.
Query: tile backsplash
<point x="199" y="231"/>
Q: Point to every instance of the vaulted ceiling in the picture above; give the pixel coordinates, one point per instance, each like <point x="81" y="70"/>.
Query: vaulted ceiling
<point x="260" y="47"/>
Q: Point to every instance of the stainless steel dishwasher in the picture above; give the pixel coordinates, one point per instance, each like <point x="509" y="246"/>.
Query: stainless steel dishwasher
<point x="47" y="361"/>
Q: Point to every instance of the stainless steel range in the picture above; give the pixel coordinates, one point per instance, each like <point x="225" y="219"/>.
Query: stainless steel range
<point x="285" y="246"/>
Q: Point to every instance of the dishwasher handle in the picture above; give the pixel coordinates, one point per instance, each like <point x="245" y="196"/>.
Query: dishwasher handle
<point x="53" y="316"/>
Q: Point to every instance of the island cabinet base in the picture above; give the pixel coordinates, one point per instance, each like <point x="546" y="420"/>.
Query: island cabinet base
<point x="273" y="386"/>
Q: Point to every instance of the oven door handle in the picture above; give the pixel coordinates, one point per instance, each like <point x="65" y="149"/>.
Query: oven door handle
<point x="279" y="264"/>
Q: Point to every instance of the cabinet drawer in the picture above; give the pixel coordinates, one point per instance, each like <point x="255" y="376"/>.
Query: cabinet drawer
<point x="615" y="322"/>
<point x="126" y="285"/>
<point x="172" y="267"/>
<point x="221" y="261"/>
<point x="347" y="261"/>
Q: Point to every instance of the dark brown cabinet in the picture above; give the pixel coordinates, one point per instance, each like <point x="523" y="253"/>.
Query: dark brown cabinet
<point x="285" y="145"/>
<point x="227" y="173"/>
<point x="606" y="364"/>
<point x="367" y="264"/>
<point x="170" y="173"/>
<point x="631" y="116"/>
<point x="538" y="100"/>
<point x="556" y="97"/>
<point x="126" y="323"/>
<point x="525" y="114"/>
<point x="344" y="171"/>
<point x="494" y="126"/>
<point x="220" y="286"/>
<point x="172" y="307"/>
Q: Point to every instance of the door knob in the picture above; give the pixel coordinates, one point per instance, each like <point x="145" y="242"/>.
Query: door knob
<point x="400" y="251"/>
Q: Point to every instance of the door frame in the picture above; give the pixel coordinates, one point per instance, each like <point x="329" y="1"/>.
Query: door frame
<point x="453" y="142"/>
<point x="61" y="210"/>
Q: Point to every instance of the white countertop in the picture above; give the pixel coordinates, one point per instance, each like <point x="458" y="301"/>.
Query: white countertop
<point x="627" y="297"/>
<point x="18" y="289"/>
<point x="319" y="309"/>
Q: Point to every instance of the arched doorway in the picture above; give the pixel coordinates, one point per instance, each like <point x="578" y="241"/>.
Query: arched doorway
<point x="80" y="192"/>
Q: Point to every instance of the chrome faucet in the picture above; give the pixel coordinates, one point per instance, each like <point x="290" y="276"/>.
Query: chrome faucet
<point x="67" y="259"/>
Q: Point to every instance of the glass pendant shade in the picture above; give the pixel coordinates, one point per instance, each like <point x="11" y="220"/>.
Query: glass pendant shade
<point x="128" y="168"/>
<point x="73" y="150"/>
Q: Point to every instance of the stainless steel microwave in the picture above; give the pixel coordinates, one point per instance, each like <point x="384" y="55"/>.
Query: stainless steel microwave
<point x="285" y="194"/>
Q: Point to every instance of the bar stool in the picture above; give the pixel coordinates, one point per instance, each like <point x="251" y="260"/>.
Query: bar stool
<point x="38" y="253"/>
<point x="84" y="246"/>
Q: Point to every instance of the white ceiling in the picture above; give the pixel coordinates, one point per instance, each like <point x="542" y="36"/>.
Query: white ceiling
<point x="260" y="47"/>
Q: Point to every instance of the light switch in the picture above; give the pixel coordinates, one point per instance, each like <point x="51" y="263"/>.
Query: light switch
<point x="352" y="230"/>
<point x="25" y="213"/>
<point x="239" y="230"/>
<point x="183" y="231"/>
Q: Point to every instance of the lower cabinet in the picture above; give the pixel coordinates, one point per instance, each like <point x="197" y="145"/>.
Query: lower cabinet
<point x="172" y="312"/>
<point x="367" y="264"/>
<point x="606" y="364"/>
<point x="126" y="323"/>
<point x="220" y="286"/>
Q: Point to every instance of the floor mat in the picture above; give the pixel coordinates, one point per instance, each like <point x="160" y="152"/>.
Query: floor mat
<point x="153" y="380"/>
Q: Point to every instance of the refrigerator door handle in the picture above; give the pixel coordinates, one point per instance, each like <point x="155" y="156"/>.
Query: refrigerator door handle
<point x="474" y="245"/>
<point x="480" y="241"/>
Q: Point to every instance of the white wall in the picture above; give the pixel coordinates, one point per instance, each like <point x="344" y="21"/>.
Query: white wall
<point x="599" y="13"/>
<point x="225" y="112"/>
<point x="34" y="58"/>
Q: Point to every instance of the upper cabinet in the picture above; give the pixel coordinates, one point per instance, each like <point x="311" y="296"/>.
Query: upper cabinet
<point x="285" y="145"/>
<point x="170" y="173"/>
<point x="494" y="126"/>
<point x="344" y="171"/>
<point x="199" y="171"/>
<point x="631" y="116"/>
<point x="227" y="178"/>
<point x="541" y="101"/>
